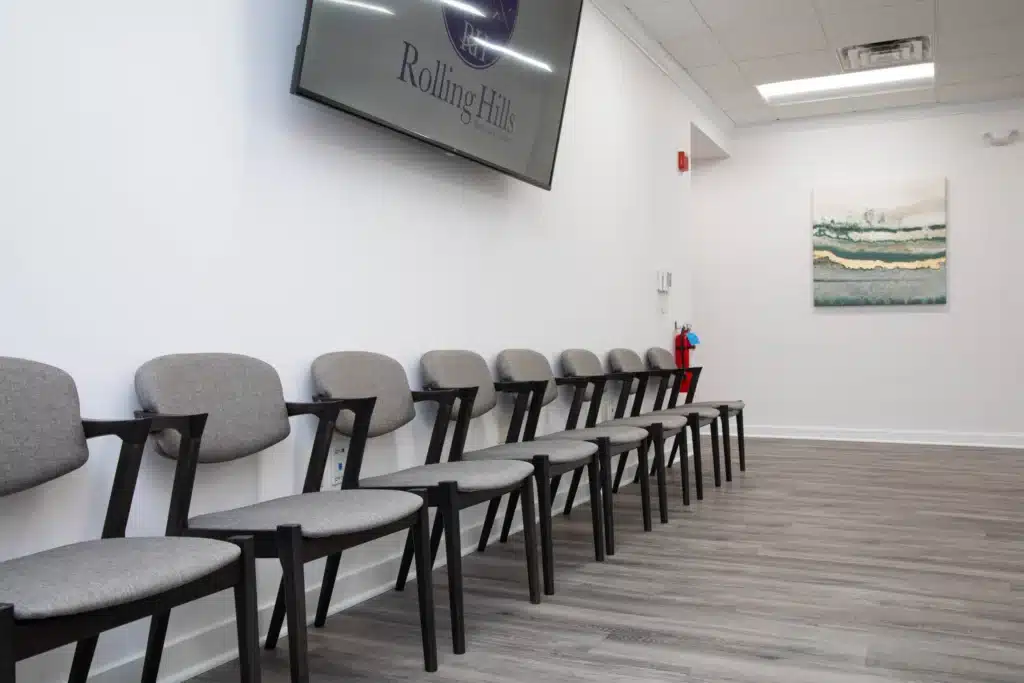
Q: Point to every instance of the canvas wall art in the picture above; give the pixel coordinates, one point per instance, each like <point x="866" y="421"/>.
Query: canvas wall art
<point x="880" y="244"/>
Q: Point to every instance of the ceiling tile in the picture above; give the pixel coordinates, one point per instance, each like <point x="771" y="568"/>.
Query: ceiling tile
<point x="898" y="21"/>
<point x="726" y="13"/>
<point x="961" y="14"/>
<point x="666" y="19"/>
<point x="979" y="92"/>
<point x="839" y="6"/>
<point x="744" y="99"/>
<point x="697" y="49"/>
<point x="823" y="108"/>
<point x="752" y="116"/>
<point x="897" y="99"/>
<point x="790" y="67"/>
<point x="981" y="68"/>
<point x="719" y="79"/>
<point x="784" y="34"/>
<point x="978" y="41"/>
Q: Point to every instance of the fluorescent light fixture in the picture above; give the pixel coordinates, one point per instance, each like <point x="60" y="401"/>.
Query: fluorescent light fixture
<point x="853" y="84"/>
<point x="543" y="66"/>
<point x="380" y="9"/>
<point x="465" y="7"/>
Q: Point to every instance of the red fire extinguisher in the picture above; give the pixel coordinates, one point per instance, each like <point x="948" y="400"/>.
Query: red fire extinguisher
<point x="685" y="341"/>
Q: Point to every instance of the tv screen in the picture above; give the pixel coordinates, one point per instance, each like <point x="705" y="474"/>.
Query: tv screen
<point x="484" y="79"/>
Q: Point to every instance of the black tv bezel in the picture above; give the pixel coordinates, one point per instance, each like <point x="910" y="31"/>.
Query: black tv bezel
<point x="297" y="89"/>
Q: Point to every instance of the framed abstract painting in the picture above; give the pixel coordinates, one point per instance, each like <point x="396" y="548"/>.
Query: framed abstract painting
<point x="880" y="244"/>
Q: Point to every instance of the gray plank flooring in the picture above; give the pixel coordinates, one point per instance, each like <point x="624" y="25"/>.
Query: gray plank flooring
<point x="823" y="563"/>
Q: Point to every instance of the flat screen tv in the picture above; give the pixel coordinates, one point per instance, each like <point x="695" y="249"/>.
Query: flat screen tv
<point x="484" y="79"/>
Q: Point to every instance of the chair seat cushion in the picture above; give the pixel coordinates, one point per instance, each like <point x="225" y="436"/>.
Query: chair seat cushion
<point x="702" y="411"/>
<point x="668" y="421"/>
<point x="82" y="577"/>
<point x="618" y="436"/>
<point x="477" y="475"/>
<point x="558" y="451"/>
<point x="734" y="406"/>
<point x="321" y="514"/>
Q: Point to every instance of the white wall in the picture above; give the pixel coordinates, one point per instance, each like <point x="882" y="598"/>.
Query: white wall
<point x="943" y="374"/>
<point x="164" y="193"/>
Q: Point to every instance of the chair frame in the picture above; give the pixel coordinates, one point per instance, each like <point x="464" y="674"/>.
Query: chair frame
<point x="449" y="502"/>
<point x="287" y="544"/>
<point x="23" y="639"/>
<point x="529" y="400"/>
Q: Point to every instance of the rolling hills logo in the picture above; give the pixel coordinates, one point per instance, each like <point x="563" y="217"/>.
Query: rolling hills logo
<point x="473" y="28"/>
<point x="478" y="30"/>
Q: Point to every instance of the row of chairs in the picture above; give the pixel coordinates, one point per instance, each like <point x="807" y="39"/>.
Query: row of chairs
<point x="202" y="408"/>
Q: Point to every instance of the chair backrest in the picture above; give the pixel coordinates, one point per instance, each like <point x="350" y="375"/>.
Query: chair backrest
<point x="360" y="374"/>
<point x="660" y="359"/>
<point x="41" y="433"/>
<point x="526" y="365"/>
<point x="582" y="363"/>
<point x="626" y="360"/>
<point x="459" y="369"/>
<point x="243" y="396"/>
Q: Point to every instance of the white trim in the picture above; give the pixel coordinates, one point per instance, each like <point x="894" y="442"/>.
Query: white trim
<point x="925" y="437"/>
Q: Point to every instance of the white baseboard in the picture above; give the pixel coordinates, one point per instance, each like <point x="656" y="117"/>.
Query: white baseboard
<point x="924" y="437"/>
<point x="193" y="654"/>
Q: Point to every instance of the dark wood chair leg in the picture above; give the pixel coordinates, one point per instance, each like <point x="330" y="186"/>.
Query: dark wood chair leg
<point x="7" y="662"/>
<point x="510" y="515"/>
<point x="623" y="459"/>
<point x="435" y="545"/>
<point x="327" y="588"/>
<point x="530" y="538"/>
<point x="715" y="456"/>
<point x="726" y="442"/>
<point x="485" y="533"/>
<point x="425" y="588"/>
<point x="675" y="448"/>
<point x="645" y="485"/>
<point x="247" y="615"/>
<point x="406" y="563"/>
<point x="154" y="647"/>
<point x="659" y="466"/>
<point x="276" y="619"/>
<point x="542" y="475"/>
<point x="449" y="512"/>
<point x="82" y="661"/>
<point x="555" y="483"/>
<point x="604" y="450"/>
<point x="742" y="441"/>
<point x="698" y="470"/>
<point x="574" y="486"/>
<point x="594" y="481"/>
<point x="684" y="466"/>
<point x="289" y="548"/>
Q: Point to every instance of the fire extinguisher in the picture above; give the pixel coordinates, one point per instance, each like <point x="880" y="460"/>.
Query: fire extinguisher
<point x="685" y="341"/>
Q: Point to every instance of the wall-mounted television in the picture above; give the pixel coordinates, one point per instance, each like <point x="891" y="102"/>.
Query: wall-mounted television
<point x="483" y="79"/>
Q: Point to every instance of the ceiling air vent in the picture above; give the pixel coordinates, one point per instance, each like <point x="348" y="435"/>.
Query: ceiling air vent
<point x="887" y="53"/>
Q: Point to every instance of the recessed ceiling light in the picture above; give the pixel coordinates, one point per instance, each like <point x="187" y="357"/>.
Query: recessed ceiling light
<point x="854" y="84"/>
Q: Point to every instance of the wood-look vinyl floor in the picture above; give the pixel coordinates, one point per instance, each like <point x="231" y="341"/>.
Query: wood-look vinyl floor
<point x="823" y="563"/>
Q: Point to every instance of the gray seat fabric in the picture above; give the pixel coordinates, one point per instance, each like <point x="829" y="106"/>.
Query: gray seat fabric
<point x="618" y="436"/>
<point x="359" y="374"/>
<point x="242" y="395"/>
<point x="668" y="421"/>
<point x="41" y="434"/>
<point x="660" y="359"/>
<point x="628" y="360"/>
<point x="690" y="409"/>
<point x="526" y="365"/>
<point x="83" y="577"/>
<point x="561" y="452"/>
<point x="458" y="370"/>
<point x="326" y="513"/>
<point x="479" y="475"/>
<point x="734" y="406"/>
<point x="581" y="363"/>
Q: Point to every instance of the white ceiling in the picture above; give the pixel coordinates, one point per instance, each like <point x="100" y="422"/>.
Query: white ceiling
<point x="729" y="46"/>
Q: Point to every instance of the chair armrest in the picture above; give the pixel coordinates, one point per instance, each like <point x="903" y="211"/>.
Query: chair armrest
<point x="578" y="381"/>
<point x="130" y="431"/>
<point x="186" y="425"/>
<point x="439" y="396"/>
<point x="626" y="376"/>
<point x="667" y="372"/>
<point x="520" y="387"/>
<point x="330" y="407"/>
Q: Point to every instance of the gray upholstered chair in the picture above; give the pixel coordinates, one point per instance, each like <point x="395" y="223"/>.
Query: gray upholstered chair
<point x="247" y="414"/>
<point x="76" y="592"/>
<point x="626" y="363"/>
<point x="659" y="359"/>
<point x="466" y="368"/>
<point x="552" y="458"/>
<point x="449" y="486"/>
<point x="584" y="363"/>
